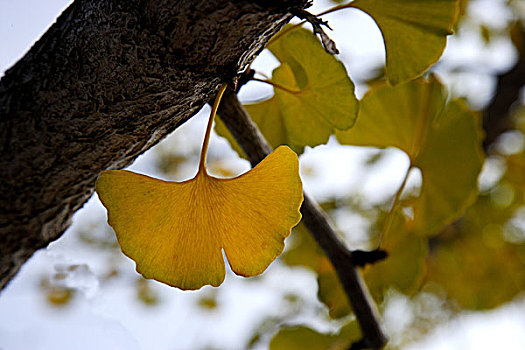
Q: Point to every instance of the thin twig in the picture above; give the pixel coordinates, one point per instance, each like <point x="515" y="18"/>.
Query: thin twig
<point x="276" y="85"/>
<point x="296" y="25"/>
<point x="317" y="26"/>
<point x="256" y="148"/>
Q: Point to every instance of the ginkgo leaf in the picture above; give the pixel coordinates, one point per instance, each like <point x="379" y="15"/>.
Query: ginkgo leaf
<point x="175" y="232"/>
<point x="303" y="250"/>
<point x="476" y="264"/>
<point x="330" y="291"/>
<point x="404" y="268"/>
<point x="313" y="95"/>
<point x="414" y="33"/>
<point x="442" y="140"/>
<point x="269" y="120"/>
<point x="304" y="338"/>
<point x="326" y="99"/>
<point x="486" y="248"/>
<point x="309" y="116"/>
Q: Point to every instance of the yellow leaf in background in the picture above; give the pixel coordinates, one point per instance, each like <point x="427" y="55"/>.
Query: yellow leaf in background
<point x="304" y="338"/>
<point x="326" y="99"/>
<point x="480" y="260"/>
<point x="404" y="268"/>
<point x="476" y="263"/>
<point x="317" y="96"/>
<point x="442" y="139"/>
<point x="330" y="291"/>
<point x="175" y="232"/>
<point x="309" y="116"/>
<point x="414" y="32"/>
<point x="303" y="250"/>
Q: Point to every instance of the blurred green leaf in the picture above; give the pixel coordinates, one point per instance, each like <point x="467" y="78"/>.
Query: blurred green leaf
<point x="442" y="139"/>
<point x="414" y="32"/>
<point x="485" y="34"/>
<point x="516" y="170"/>
<point x="145" y="293"/>
<point x="302" y="249"/>
<point x="477" y="267"/>
<point x="480" y="260"/>
<point x="208" y="300"/>
<point x="60" y="296"/>
<point x="331" y="292"/>
<point x="268" y="118"/>
<point x="404" y="267"/>
<point x="304" y="338"/>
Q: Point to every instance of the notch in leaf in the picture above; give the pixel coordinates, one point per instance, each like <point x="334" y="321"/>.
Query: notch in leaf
<point x="176" y="232"/>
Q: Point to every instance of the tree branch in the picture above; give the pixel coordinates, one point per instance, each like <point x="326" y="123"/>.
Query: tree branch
<point x="106" y="82"/>
<point x="256" y="148"/>
<point x="496" y="116"/>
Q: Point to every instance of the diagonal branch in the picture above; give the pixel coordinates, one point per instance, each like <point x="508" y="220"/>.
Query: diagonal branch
<point x="256" y="148"/>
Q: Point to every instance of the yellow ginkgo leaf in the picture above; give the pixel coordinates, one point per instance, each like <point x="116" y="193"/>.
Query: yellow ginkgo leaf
<point x="414" y="32"/>
<point x="313" y="95"/>
<point x="176" y="232"/>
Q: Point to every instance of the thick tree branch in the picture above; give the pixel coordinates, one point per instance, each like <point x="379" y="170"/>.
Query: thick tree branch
<point x="256" y="148"/>
<point x="496" y="117"/>
<point x="106" y="82"/>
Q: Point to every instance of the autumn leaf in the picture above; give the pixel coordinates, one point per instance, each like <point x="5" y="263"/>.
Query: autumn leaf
<point x="303" y="250"/>
<point x="268" y="118"/>
<point x="442" y="139"/>
<point x="176" y="232"/>
<point x="304" y="338"/>
<point x="404" y="268"/>
<point x="331" y="292"/>
<point x="479" y="262"/>
<point x="313" y="95"/>
<point x="477" y="268"/>
<point x="414" y="33"/>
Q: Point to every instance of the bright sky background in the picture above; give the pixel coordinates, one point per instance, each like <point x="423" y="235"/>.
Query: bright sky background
<point x="110" y="318"/>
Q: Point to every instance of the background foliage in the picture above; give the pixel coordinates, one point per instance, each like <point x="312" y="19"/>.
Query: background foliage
<point x="469" y="257"/>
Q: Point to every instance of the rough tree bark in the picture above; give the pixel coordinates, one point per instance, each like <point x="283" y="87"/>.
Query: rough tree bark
<point x="106" y="82"/>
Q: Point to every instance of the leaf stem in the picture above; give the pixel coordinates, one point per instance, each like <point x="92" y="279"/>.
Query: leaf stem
<point x="278" y="86"/>
<point x="205" y="143"/>
<point x="390" y="216"/>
